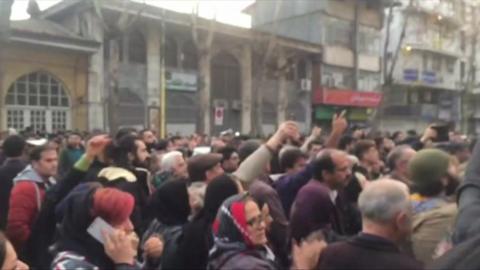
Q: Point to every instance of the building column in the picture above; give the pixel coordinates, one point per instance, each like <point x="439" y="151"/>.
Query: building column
<point x="282" y="101"/>
<point x="96" y="89"/>
<point x="246" y="73"/>
<point x="154" y="77"/>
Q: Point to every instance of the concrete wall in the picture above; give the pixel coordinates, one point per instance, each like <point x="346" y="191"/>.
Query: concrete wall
<point x="343" y="57"/>
<point x="69" y="68"/>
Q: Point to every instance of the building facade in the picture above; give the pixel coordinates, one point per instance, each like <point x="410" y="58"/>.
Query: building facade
<point x="349" y="67"/>
<point x="44" y="77"/>
<point x="214" y="86"/>
<point x="429" y="71"/>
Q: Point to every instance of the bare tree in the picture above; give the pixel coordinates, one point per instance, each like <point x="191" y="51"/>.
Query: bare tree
<point x="388" y="72"/>
<point x="5" y="12"/>
<point x="115" y="32"/>
<point x="203" y="44"/>
<point x="265" y="49"/>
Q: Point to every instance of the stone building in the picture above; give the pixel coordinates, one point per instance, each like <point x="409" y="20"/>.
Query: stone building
<point x="44" y="77"/>
<point x="118" y="82"/>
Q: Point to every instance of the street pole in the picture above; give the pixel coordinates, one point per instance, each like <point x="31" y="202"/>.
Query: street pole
<point x="163" y="95"/>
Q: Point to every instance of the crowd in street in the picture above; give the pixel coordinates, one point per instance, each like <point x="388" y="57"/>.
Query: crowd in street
<point x="346" y="199"/>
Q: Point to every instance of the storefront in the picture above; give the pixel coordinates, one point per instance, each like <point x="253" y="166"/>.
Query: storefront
<point x="358" y="105"/>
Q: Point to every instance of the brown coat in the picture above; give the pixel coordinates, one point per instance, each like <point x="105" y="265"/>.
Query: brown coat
<point x="431" y="227"/>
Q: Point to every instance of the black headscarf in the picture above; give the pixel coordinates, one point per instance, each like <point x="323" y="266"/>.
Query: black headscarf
<point x="197" y="237"/>
<point x="170" y="203"/>
<point x="76" y="210"/>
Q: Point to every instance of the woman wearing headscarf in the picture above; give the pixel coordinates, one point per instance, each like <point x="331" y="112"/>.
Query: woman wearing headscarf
<point x="76" y="248"/>
<point x="197" y="237"/>
<point x="169" y="207"/>
<point x="240" y="237"/>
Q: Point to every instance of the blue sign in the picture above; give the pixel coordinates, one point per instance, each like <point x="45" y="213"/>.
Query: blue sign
<point x="410" y="75"/>
<point x="429" y="77"/>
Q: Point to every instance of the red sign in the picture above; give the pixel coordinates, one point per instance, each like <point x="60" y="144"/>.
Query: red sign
<point x="346" y="98"/>
<point x="219" y="113"/>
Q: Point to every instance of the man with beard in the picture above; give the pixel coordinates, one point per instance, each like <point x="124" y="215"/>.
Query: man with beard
<point x="127" y="172"/>
<point x="148" y="137"/>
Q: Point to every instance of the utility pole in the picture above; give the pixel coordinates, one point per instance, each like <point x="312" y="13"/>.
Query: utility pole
<point x="163" y="96"/>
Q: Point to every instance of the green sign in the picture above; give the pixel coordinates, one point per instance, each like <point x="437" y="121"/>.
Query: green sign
<point x="181" y="81"/>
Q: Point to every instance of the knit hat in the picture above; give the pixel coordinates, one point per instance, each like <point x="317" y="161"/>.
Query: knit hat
<point x="428" y="166"/>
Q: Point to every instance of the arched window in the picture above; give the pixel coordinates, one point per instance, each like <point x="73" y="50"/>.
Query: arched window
<point x="189" y="56"/>
<point x="38" y="100"/>
<point x="137" y="50"/>
<point x="171" y="52"/>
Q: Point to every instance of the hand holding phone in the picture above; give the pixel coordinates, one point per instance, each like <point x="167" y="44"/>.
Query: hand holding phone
<point x="97" y="229"/>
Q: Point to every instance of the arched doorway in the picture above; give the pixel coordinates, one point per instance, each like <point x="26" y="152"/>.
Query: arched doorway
<point x="38" y="100"/>
<point x="226" y="91"/>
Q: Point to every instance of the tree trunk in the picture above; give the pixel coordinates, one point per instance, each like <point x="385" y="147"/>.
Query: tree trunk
<point x="112" y="83"/>
<point x="205" y="111"/>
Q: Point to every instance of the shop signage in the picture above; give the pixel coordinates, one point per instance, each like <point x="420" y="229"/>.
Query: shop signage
<point x="347" y="98"/>
<point x="181" y="81"/>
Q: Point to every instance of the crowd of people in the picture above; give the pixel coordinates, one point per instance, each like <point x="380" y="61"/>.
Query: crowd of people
<point x="349" y="199"/>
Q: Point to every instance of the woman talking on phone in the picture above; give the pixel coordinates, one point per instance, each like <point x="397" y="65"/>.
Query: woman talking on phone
<point x="96" y="231"/>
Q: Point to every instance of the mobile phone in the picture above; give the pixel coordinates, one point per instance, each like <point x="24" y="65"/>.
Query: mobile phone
<point x="442" y="133"/>
<point x="98" y="227"/>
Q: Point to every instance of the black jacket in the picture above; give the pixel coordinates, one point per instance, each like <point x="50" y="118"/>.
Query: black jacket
<point x="468" y="219"/>
<point x="8" y="171"/>
<point x="365" y="251"/>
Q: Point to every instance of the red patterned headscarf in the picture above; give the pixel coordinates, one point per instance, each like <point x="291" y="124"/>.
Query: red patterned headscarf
<point x="230" y="226"/>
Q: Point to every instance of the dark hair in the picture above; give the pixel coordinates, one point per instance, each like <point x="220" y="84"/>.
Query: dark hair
<point x="323" y="163"/>
<point x="119" y="149"/>
<point x="13" y="146"/>
<point x="345" y="141"/>
<point x="289" y="157"/>
<point x="124" y="132"/>
<point x="362" y="147"/>
<point x="74" y="133"/>
<point x="428" y="188"/>
<point x="161" y="145"/>
<point x="36" y="153"/>
<point x="247" y="148"/>
<point x="175" y="138"/>
<point x="3" y="248"/>
<point x="315" y="142"/>
<point x="226" y="152"/>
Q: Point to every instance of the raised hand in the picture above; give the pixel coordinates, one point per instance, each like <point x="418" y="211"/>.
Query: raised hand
<point x="287" y="130"/>
<point x="306" y="254"/>
<point x="96" y="145"/>
<point x="339" y="122"/>
<point x="316" y="132"/>
<point x="118" y="246"/>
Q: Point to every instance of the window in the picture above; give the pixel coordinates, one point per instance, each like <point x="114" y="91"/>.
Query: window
<point x="189" y="56"/>
<point x="338" y="32"/>
<point x="37" y="100"/>
<point x="137" y="48"/>
<point x="451" y="66"/>
<point x="171" y="52"/>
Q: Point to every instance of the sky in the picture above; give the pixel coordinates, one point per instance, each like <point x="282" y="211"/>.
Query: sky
<point x="226" y="11"/>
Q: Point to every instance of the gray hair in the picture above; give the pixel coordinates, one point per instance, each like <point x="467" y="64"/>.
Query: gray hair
<point x="169" y="160"/>
<point x="395" y="155"/>
<point x="382" y="200"/>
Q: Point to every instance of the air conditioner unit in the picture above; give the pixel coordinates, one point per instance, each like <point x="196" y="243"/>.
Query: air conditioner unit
<point x="217" y="103"/>
<point x="237" y="105"/>
<point x="337" y="80"/>
<point x="306" y="85"/>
